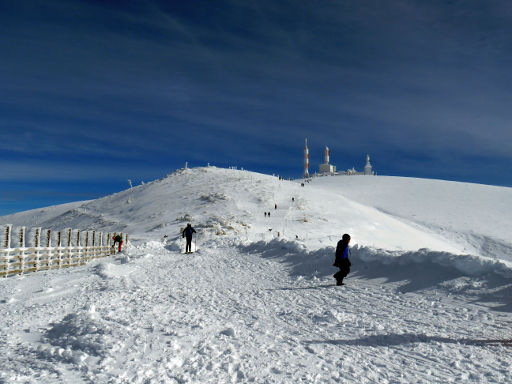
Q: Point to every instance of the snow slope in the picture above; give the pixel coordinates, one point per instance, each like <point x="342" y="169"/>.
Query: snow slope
<point x="477" y="216"/>
<point x="233" y="202"/>
<point x="426" y="301"/>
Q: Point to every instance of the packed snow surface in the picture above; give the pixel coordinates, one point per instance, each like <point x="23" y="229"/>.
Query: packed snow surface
<point x="428" y="299"/>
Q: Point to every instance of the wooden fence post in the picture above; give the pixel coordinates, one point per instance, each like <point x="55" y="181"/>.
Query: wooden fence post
<point x="104" y="244"/>
<point x="68" y="245"/>
<point x="37" y="238"/>
<point x="7" y="241"/>
<point x="87" y="246"/>
<point x="22" y="236"/>
<point x="93" y="245"/>
<point x="21" y="251"/>
<point x="49" y="261"/>
<point x="109" y="250"/>
<point x="7" y="246"/>
<point x="59" y="246"/>
<point x="37" y="245"/>
<point x="49" y="238"/>
<point x="77" y="245"/>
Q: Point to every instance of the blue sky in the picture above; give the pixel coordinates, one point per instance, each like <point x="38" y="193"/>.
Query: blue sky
<point x="93" y="93"/>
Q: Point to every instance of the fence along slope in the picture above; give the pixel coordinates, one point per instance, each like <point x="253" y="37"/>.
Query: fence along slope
<point x="40" y="257"/>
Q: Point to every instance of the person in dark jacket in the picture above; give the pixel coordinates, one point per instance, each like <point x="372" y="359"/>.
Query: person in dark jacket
<point x="342" y="261"/>
<point x="187" y="232"/>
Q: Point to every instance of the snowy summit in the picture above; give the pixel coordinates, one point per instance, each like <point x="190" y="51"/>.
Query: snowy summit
<point x="428" y="299"/>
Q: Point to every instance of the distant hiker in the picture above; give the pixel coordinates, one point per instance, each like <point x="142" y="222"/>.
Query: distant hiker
<point x="275" y="206"/>
<point x="118" y="240"/>
<point x="293" y="199"/>
<point x="342" y="261"/>
<point x="268" y="214"/>
<point x="187" y="232"/>
<point x="265" y="214"/>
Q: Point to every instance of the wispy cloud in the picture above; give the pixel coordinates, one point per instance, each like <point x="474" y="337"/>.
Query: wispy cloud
<point x="40" y="171"/>
<point x="158" y="82"/>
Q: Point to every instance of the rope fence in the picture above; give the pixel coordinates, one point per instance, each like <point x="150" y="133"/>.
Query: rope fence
<point x="72" y="248"/>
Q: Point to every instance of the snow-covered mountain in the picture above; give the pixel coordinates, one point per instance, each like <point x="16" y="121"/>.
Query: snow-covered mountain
<point x="428" y="299"/>
<point x="390" y="213"/>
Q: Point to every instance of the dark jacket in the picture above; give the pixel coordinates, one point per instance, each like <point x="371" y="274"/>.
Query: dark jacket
<point x="188" y="232"/>
<point x="342" y="255"/>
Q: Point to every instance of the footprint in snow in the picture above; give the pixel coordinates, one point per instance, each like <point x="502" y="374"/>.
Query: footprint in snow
<point x="228" y="332"/>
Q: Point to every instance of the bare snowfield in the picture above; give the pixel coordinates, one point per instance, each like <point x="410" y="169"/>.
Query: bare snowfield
<point x="428" y="299"/>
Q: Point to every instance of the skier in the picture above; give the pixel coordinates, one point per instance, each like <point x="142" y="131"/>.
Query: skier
<point x="342" y="261"/>
<point x="275" y="206"/>
<point x="268" y="214"/>
<point x="187" y="232"/>
<point x="117" y="240"/>
<point x="265" y="214"/>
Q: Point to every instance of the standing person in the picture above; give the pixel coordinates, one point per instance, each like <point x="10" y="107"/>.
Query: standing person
<point x="265" y="214"/>
<point x="118" y="240"/>
<point x="187" y="232"/>
<point x="268" y="214"/>
<point x="275" y="206"/>
<point x="342" y="261"/>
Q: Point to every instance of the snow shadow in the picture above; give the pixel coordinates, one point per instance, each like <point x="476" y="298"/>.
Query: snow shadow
<point x="484" y="280"/>
<point x="303" y="288"/>
<point x="410" y="338"/>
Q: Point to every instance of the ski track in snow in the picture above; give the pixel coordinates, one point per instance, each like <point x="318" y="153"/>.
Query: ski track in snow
<point x="222" y="315"/>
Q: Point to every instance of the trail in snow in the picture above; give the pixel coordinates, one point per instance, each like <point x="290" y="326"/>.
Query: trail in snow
<point x="229" y="315"/>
